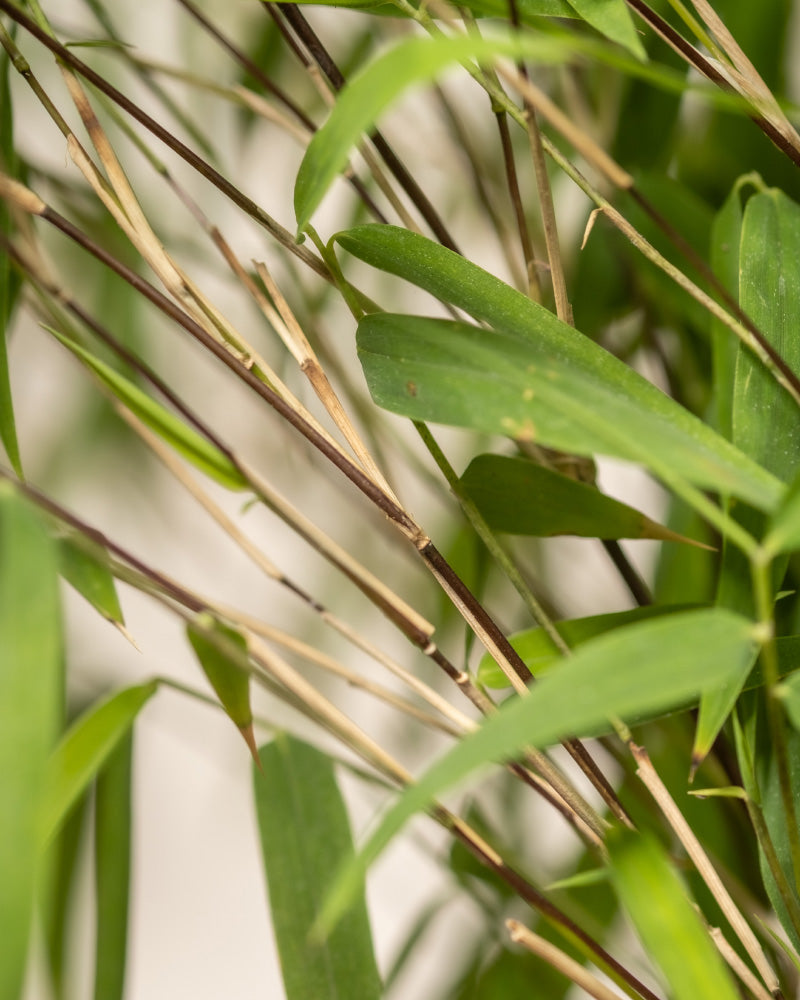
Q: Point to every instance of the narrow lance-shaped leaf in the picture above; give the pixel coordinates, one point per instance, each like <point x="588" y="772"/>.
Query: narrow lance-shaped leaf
<point x="305" y="839"/>
<point x="693" y="450"/>
<point x="112" y="859"/>
<point x="85" y="748"/>
<point x="670" y="929"/>
<point x="518" y="497"/>
<point x="185" y="440"/>
<point x="762" y="411"/>
<point x="9" y="163"/>
<point x="91" y="578"/>
<point x="369" y="94"/>
<point x="644" y="668"/>
<point x="222" y="653"/>
<point x="31" y="697"/>
<point x="452" y="373"/>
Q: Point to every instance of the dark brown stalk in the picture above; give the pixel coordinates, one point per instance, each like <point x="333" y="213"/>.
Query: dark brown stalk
<point x="323" y="59"/>
<point x="258" y="74"/>
<point x="471" y="608"/>
<point x="488" y="857"/>
<point x="67" y="56"/>
<point x="677" y="42"/>
<point x="638" y="588"/>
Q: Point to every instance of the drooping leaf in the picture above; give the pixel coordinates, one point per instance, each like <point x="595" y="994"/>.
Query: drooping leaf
<point x="519" y="497"/>
<point x="223" y="668"/>
<point x="112" y="858"/>
<point x="305" y="837"/>
<point x="612" y="19"/>
<point x="543" y="390"/>
<point x="643" y="668"/>
<point x="9" y="163"/>
<point x="31" y="697"/>
<point x="185" y="440"/>
<point x="670" y="929"/>
<point x="91" y="578"/>
<point x="85" y="748"/>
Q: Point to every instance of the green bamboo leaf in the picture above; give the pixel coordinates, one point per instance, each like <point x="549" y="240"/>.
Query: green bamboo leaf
<point x="370" y="92"/>
<point x="9" y="164"/>
<point x="112" y="853"/>
<point x="222" y="653"/>
<point x="665" y="920"/>
<point x="30" y="707"/>
<point x="185" y="440"/>
<point x="529" y="10"/>
<point x="518" y="497"/>
<point x="762" y="411"/>
<point x="644" y="668"/>
<point x="538" y="652"/>
<point x="305" y="838"/>
<point x="91" y="578"/>
<point x="612" y="19"/>
<point x="783" y="533"/>
<point x="769" y="292"/>
<point x="85" y="748"/>
<point x="565" y="393"/>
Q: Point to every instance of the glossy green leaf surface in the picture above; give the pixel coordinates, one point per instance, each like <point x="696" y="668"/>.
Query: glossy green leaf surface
<point x="112" y="860"/>
<point x="519" y="497"/>
<point x="670" y="930"/>
<point x="452" y="373"/>
<point x="31" y="694"/>
<point x="86" y="747"/>
<point x="305" y="838"/>
<point x="224" y="672"/>
<point x="669" y="439"/>
<point x="185" y="440"/>
<point x="646" y="667"/>
<point x="91" y="578"/>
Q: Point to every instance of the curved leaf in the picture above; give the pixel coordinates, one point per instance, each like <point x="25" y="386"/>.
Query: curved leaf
<point x="91" y="578"/>
<point x="644" y="668"/>
<point x="612" y="19"/>
<point x="85" y="748"/>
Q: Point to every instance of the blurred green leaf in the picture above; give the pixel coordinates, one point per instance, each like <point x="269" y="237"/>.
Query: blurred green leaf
<point x="112" y="853"/>
<point x="305" y="838"/>
<point x="91" y="578"/>
<point x="670" y="929"/>
<point x="31" y="694"/>
<point x="186" y="441"/>
<point x="539" y="653"/>
<point x="85" y="748"/>
<point x="223" y="668"/>
<point x="783" y="530"/>
<point x="612" y="19"/>
<point x="9" y="164"/>
<point x="369" y="93"/>
<point x="518" y="497"/>
<point x="642" y="668"/>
